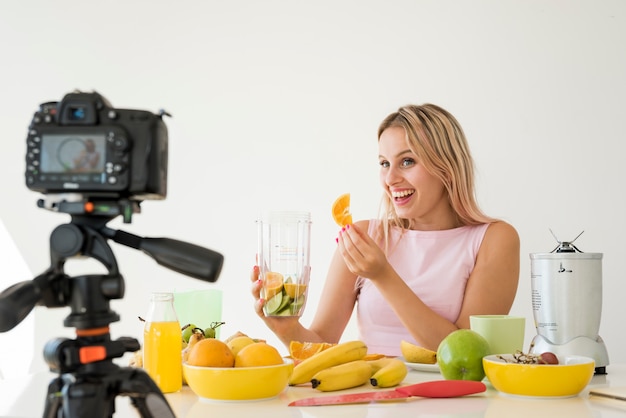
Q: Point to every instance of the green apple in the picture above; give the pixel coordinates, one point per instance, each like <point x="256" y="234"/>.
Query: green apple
<point x="460" y="355"/>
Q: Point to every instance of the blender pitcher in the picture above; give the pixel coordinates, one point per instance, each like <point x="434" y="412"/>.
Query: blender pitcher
<point x="284" y="239"/>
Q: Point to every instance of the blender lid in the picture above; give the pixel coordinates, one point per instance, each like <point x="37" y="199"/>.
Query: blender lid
<point x="565" y="250"/>
<point x="565" y="256"/>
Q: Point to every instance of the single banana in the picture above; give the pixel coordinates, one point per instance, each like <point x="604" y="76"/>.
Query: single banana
<point x="344" y="376"/>
<point x="416" y="354"/>
<point x="341" y="353"/>
<point x="378" y="363"/>
<point x="392" y="373"/>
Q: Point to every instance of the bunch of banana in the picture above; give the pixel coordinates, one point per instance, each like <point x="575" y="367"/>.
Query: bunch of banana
<point x="416" y="354"/>
<point x="382" y="373"/>
<point x="338" y="354"/>
<point x="387" y="372"/>
<point x="347" y="375"/>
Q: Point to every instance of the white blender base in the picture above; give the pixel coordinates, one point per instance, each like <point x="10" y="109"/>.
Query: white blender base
<point x="579" y="346"/>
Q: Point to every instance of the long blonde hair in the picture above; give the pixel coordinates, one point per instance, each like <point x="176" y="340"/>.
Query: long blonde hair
<point x="438" y="141"/>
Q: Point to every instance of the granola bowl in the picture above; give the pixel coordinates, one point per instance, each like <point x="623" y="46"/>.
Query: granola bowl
<point x="566" y="379"/>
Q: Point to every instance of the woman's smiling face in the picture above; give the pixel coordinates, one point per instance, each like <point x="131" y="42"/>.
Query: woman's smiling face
<point x="415" y="193"/>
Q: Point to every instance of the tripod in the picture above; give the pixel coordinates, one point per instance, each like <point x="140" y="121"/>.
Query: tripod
<point x="89" y="389"/>
<point x="89" y="381"/>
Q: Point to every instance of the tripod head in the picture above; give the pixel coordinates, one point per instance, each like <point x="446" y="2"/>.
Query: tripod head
<point x="88" y="296"/>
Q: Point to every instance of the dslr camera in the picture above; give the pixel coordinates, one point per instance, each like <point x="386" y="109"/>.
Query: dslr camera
<point x="84" y="145"/>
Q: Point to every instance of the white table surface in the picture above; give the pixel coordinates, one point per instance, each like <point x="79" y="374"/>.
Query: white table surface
<point x="25" y="397"/>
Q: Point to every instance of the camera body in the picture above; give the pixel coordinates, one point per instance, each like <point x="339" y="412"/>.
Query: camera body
<point x="84" y="145"/>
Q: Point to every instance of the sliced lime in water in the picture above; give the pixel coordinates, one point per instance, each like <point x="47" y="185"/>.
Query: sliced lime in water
<point x="284" y="303"/>
<point x="274" y="303"/>
<point x="296" y="306"/>
<point x="284" y="312"/>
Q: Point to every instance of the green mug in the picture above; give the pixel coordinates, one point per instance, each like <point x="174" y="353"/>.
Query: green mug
<point x="504" y="333"/>
<point x="199" y="307"/>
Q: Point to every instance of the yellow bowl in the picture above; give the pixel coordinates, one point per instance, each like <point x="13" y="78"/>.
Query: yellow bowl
<point x="238" y="383"/>
<point x="566" y="379"/>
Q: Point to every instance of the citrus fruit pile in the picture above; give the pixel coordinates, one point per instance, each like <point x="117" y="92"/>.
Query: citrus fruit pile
<point x="240" y="351"/>
<point x="341" y="210"/>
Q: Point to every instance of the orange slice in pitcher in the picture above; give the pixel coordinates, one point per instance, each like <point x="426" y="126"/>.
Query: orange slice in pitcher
<point x="272" y="284"/>
<point x="341" y="210"/>
<point x="294" y="290"/>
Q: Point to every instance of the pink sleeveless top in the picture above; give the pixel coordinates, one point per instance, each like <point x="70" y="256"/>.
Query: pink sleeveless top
<point x="436" y="266"/>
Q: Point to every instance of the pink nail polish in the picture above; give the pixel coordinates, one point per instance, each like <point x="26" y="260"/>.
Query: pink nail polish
<point x="337" y="240"/>
<point x="348" y="226"/>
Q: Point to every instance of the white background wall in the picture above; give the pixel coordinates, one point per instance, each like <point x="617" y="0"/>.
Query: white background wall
<point x="276" y="103"/>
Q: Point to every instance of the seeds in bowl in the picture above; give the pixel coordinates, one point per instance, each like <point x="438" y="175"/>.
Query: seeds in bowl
<point x="527" y="358"/>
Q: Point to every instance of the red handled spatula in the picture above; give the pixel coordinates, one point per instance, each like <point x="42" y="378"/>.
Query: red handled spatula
<point x="433" y="389"/>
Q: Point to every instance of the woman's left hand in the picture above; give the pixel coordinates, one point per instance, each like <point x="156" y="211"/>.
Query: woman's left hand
<point x="361" y="254"/>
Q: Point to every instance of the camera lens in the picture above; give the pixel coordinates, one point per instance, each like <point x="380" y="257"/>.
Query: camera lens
<point x="77" y="113"/>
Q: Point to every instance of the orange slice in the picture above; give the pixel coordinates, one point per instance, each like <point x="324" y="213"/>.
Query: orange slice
<point x="272" y="284"/>
<point x="295" y="290"/>
<point x="303" y="350"/>
<point x="341" y="210"/>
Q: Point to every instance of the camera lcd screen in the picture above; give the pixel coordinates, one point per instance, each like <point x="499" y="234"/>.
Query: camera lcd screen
<point x="72" y="153"/>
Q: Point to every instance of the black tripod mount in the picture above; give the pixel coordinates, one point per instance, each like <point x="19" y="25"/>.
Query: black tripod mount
<point x="89" y="381"/>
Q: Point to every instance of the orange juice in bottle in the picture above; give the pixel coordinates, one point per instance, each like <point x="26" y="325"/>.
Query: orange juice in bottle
<point x="162" y="351"/>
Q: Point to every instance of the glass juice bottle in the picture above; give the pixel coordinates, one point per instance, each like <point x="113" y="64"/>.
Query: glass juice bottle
<point x="162" y="344"/>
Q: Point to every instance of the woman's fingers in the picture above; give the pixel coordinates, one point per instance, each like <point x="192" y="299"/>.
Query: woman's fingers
<point x="258" y="307"/>
<point x="256" y="288"/>
<point x="255" y="273"/>
<point x="349" y="242"/>
<point x="361" y="254"/>
<point x="257" y="284"/>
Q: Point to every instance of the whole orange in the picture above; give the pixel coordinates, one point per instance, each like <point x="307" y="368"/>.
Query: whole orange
<point x="258" y="354"/>
<point x="211" y="352"/>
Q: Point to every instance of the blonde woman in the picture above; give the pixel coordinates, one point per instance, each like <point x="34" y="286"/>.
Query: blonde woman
<point x="430" y="261"/>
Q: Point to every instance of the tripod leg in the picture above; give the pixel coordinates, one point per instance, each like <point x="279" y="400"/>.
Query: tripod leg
<point x="153" y="405"/>
<point x="145" y="394"/>
<point x="54" y="398"/>
<point x="69" y="398"/>
<point x="94" y="396"/>
<point x="87" y="399"/>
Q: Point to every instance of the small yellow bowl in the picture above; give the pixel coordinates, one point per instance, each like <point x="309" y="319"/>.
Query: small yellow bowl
<point x="566" y="379"/>
<point x="238" y="383"/>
